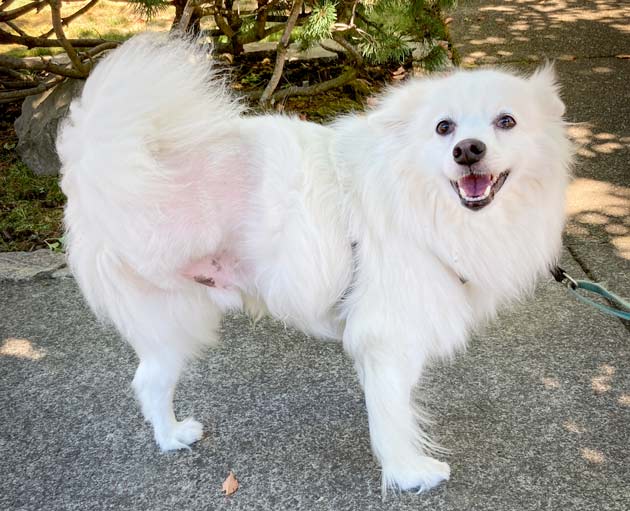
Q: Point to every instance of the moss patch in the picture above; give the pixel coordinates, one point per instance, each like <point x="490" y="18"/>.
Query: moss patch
<point x="31" y="206"/>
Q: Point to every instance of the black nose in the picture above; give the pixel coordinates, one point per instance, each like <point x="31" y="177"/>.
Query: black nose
<point x="469" y="151"/>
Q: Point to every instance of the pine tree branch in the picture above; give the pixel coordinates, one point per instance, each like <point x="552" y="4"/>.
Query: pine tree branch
<point x="281" y="53"/>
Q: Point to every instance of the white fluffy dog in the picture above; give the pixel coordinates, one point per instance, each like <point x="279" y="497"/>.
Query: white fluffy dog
<point x="395" y="232"/>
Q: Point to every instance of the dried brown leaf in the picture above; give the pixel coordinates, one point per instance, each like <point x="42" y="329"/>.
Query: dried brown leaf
<point x="230" y="485"/>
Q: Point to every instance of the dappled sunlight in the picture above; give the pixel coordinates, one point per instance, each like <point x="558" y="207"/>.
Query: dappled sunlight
<point x="593" y="455"/>
<point x="488" y="40"/>
<point x="601" y="383"/>
<point x="20" y="348"/>
<point x="592" y="203"/>
<point x="590" y="144"/>
<point x="529" y="20"/>
<point x="583" y="435"/>
<point x="573" y="427"/>
<point x="550" y="383"/>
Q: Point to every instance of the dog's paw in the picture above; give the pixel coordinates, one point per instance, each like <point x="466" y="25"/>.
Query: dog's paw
<point x="423" y="475"/>
<point x="181" y="435"/>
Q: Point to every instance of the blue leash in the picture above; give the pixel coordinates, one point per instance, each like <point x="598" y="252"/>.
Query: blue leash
<point x="619" y="308"/>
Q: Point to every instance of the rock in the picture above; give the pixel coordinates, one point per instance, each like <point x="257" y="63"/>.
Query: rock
<point x="44" y="263"/>
<point x="37" y="126"/>
<point x="294" y="52"/>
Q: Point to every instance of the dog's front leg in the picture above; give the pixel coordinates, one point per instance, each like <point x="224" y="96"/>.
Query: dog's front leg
<point x="388" y="375"/>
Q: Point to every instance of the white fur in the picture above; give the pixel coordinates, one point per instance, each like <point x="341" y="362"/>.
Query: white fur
<point x="167" y="182"/>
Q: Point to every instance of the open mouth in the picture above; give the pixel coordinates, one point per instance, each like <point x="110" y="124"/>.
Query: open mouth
<point x="478" y="190"/>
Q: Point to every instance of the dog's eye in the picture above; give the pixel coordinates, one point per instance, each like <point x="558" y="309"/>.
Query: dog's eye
<point x="505" y="122"/>
<point x="445" y="127"/>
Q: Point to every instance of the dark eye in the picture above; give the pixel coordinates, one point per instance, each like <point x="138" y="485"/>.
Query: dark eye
<point x="445" y="127"/>
<point x="505" y="122"/>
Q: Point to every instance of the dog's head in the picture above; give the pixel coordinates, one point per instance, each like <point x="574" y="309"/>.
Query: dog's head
<point x="477" y="132"/>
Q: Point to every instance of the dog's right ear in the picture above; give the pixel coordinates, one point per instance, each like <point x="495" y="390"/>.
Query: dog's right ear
<point x="545" y="81"/>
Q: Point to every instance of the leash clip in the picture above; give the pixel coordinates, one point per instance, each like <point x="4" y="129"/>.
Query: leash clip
<point x="564" y="278"/>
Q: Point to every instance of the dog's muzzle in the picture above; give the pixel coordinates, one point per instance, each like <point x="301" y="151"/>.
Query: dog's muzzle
<point x="476" y="191"/>
<point x="476" y="188"/>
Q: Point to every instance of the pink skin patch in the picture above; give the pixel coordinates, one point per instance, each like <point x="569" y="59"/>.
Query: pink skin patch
<point x="216" y="271"/>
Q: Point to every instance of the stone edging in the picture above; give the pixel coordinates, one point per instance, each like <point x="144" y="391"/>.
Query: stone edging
<point x="39" y="264"/>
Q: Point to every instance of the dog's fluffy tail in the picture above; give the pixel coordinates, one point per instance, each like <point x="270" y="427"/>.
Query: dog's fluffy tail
<point x="151" y="119"/>
<point x="157" y="92"/>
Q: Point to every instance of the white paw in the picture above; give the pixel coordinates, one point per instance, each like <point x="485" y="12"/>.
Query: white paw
<point x="423" y="475"/>
<point x="181" y="435"/>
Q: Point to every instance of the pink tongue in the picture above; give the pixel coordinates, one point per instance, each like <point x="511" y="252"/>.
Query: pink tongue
<point x="474" y="185"/>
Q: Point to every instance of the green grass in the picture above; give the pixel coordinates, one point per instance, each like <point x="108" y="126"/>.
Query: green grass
<point x="31" y="208"/>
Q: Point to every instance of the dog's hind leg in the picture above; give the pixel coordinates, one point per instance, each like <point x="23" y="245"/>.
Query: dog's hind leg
<point x="154" y="384"/>
<point x="167" y="329"/>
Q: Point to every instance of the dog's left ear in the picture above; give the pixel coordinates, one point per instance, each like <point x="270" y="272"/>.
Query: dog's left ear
<point x="545" y="82"/>
<point x="394" y="107"/>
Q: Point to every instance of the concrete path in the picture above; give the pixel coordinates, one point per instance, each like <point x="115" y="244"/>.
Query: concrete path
<point x="536" y="413"/>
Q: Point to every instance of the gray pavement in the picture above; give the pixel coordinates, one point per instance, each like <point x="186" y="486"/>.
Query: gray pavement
<point x="536" y="413"/>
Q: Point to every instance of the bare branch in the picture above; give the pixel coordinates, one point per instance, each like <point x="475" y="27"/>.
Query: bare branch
<point x="252" y="37"/>
<point x="221" y="22"/>
<point x="33" y="42"/>
<point x="354" y="53"/>
<point x="16" y="13"/>
<point x="354" y="12"/>
<point x="22" y="77"/>
<point x="92" y="52"/>
<point x="39" y="65"/>
<point x="184" y="21"/>
<point x="16" y="28"/>
<point x="55" y="10"/>
<point x="66" y="21"/>
<point x="4" y="5"/>
<point x="311" y="90"/>
<point x="281" y="54"/>
<point x="261" y="19"/>
<point x="5" y="97"/>
<point x="19" y="84"/>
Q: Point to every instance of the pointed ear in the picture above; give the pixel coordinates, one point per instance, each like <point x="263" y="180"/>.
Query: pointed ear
<point x="546" y="86"/>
